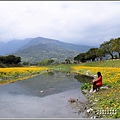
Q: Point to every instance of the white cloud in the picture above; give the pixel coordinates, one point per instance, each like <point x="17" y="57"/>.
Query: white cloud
<point x="70" y="21"/>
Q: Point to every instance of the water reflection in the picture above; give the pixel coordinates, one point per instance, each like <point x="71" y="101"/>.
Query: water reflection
<point x="50" y="83"/>
<point x="83" y="78"/>
<point x="43" y="96"/>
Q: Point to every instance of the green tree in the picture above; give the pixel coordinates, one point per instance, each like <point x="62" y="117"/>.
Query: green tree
<point x="3" y="59"/>
<point x="116" y="45"/>
<point x="50" y="62"/>
<point x="106" y="48"/>
<point x="46" y="62"/>
<point x="76" y="58"/>
<point x="91" y="54"/>
<point x="67" y="61"/>
<point x="100" y="53"/>
<point x="80" y="57"/>
<point x="26" y="63"/>
<point x="11" y="59"/>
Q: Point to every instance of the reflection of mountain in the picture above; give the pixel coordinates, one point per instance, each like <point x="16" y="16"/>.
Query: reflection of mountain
<point x="83" y="78"/>
<point x="50" y="83"/>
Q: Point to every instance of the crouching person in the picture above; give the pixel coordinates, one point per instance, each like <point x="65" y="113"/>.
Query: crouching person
<point x="97" y="83"/>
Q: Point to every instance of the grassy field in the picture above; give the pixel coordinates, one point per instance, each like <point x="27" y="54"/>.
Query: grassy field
<point x="106" y="63"/>
<point x="106" y="102"/>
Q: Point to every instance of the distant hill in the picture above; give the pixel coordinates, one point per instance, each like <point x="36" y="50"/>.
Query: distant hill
<point x="37" y="49"/>
<point x="12" y="46"/>
<point x="43" y="48"/>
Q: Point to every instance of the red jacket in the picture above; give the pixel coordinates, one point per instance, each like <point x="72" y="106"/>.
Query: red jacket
<point x="98" y="81"/>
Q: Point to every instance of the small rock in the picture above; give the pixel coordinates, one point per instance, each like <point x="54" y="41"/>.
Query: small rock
<point x="90" y="109"/>
<point x="41" y="91"/>
<point x="93" y="117"/>
<point x="104" y="87"/>
<point x="85" y="91"/>
<point x="72" y="100"/>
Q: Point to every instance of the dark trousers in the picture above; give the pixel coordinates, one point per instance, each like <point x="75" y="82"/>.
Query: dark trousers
<point x="95" y="87"/>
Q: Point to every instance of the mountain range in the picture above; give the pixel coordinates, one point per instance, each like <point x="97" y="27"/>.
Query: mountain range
<point x="39" y="48"/>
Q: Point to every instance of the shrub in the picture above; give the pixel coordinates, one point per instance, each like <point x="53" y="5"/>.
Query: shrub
<point x="86" y="86"/>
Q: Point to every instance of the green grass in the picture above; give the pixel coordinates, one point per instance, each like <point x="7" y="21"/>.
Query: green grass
<point x="61" y="67"/>
<point x="106" y="63"/>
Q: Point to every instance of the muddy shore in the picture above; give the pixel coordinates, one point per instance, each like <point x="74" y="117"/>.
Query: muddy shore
<point x="83" y="106"/>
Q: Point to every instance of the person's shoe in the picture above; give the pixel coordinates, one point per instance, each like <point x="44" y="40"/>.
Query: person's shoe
<point x="91" y="90"/>
<point x="94" y="91"/>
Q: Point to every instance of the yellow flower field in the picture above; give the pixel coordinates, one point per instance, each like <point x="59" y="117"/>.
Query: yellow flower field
<point x="110" y="75"/>
<point x="106" y="99"/>
<point x="21" y="70"/>
<point x="7" y="74"/>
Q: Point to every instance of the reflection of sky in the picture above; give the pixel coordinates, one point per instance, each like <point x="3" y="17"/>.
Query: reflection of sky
<point x="24" y="99"/>
<point x="50" y="84"/>
<point x="24" y="106"/>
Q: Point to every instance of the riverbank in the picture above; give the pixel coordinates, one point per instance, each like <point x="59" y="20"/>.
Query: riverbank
<point x="106" y="100"/>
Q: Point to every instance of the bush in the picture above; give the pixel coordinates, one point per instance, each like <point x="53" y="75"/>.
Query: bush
<point x="86" y="86"/>
<point x="2" y="65"/>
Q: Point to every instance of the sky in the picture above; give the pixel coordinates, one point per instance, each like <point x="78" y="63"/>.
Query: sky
<point x="78" y="22"/>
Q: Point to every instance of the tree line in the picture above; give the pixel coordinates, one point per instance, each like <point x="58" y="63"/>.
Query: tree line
<point x="40" y="63"/>
<point x="9" y="60"/>
<point x="108" y="47"/>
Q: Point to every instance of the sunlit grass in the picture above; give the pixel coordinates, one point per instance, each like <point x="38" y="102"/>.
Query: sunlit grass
<point x="106" y="63"/>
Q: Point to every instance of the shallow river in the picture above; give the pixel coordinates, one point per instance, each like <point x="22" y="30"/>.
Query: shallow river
<point x="43" y="96"/>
